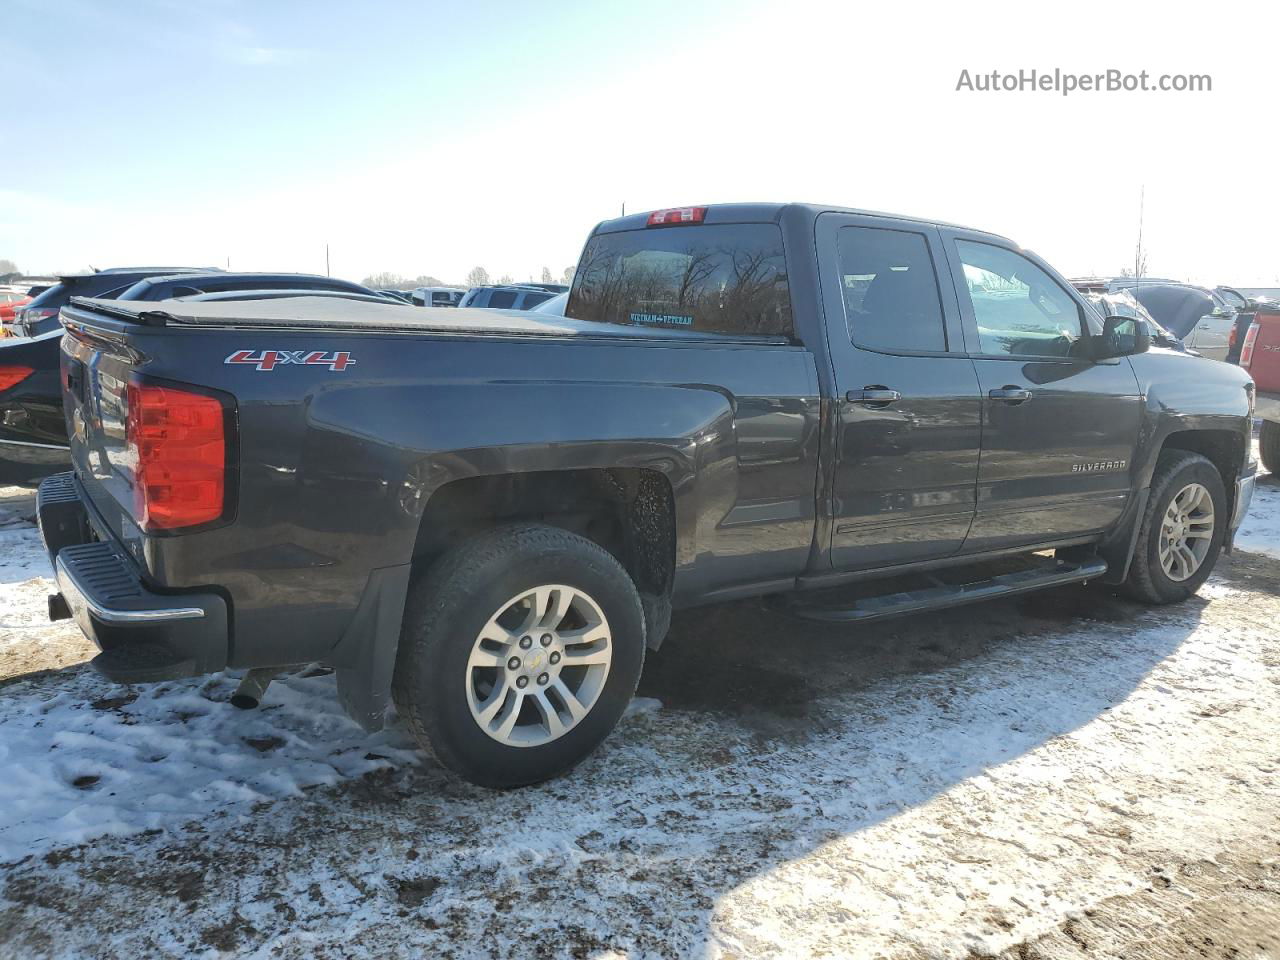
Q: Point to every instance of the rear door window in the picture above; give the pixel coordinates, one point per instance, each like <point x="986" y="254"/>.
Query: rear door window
<point x="890" y="290"/>
<point x="714" y="278"/>
<point x="533" y="299"/>
<point x="502" y="299"/>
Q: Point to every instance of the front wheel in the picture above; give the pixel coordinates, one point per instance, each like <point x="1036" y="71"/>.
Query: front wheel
<point x="519" y="652"/>
<point x="1182" y="531"/>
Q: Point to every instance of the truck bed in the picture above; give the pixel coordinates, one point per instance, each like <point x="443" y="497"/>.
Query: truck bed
<point x="292" y="313"/>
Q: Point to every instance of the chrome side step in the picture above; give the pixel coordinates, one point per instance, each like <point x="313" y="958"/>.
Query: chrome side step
<point x="943" y="596"/>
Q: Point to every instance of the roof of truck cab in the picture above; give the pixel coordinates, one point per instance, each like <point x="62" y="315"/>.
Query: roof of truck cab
<point x="772" y="212"/>
<point x="317" y="313"/>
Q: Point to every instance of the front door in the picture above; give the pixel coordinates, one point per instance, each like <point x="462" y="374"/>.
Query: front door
<point x="1059" y="430"/>
<point x="909" y="409"/>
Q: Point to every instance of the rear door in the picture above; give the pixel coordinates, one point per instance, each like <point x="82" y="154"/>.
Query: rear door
<point x="1059" y="430"/>
<point x="909" y="408"/>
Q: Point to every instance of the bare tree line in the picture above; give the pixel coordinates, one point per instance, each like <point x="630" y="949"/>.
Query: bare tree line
<point x="476" y="277"/>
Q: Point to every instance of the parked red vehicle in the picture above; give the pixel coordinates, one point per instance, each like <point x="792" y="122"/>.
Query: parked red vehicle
<point x="1260" y="355"/>
<point x="10" y="300"/>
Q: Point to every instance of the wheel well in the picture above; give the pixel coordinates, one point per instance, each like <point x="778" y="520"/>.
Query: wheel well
<point x="628" y="511"/>
<point x="1221" y="448"/>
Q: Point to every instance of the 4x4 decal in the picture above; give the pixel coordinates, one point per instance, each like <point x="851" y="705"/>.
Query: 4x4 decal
<point x="270" y="359"/>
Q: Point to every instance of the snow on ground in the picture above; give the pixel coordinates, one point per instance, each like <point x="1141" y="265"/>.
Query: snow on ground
<point x="82" y="758"/>
<point x="88" y="759"/>
<point x="947" y="786"/>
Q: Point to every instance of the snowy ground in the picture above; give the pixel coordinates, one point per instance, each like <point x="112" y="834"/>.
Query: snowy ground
<point x="1065" y="775"/>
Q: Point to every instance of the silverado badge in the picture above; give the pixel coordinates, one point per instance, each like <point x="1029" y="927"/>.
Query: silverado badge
<point x="1097" y="466"/>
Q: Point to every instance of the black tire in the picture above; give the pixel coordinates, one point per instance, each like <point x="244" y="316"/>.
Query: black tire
<point x="1269" y="446"/>
<point x="1147" y="580"/>
<point x="449" y="606"/>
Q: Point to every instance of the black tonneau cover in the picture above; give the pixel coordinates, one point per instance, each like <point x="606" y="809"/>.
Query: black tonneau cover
<point x="286" y="313"/>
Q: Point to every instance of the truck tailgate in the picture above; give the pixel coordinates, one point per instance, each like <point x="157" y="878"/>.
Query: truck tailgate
<point x="153" y="456"/>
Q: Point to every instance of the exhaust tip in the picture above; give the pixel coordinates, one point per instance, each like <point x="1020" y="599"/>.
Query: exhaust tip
<point x="252" y="688"/>
<point x="58" y="608"/>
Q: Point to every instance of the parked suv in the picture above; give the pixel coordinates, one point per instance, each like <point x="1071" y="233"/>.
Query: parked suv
<point x="437" y="296"/>
<point x="41" y="314"/>
<point x="491" y="516"/>
<point x="508" y="296"/>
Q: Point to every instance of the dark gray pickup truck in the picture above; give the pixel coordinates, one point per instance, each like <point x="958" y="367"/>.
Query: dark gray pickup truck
<point x="488" y="516"/>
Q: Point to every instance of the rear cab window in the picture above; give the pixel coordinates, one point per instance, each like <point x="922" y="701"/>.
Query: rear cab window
<point x="712" y="278"/>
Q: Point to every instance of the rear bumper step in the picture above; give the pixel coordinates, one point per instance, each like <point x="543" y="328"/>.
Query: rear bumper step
<point x="144" y="636"/>
<point x="949" y="595"/>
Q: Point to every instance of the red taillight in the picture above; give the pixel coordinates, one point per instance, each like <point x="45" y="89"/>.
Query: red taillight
<point x="13" y="374"/>
<point x="179" y="441"/>
<point x="677" y="215"/>
<point x="1250" y="338"/>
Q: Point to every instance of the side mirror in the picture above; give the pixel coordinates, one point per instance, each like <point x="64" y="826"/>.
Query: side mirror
<point x="1120" y="337"/>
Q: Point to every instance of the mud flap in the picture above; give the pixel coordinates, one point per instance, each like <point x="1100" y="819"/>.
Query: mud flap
<point x="365" y="657"/>
<point x="1117" y="549"/>
<point x="657" y="618"/>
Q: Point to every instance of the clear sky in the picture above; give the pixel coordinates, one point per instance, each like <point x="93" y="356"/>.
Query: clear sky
<point x="428" y="138"/>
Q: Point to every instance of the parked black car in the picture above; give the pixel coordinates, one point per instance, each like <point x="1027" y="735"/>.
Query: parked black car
<point x="187" y="285"/>
<point x="41" y="314"/>
<point x="33" y="434"/>
<point x="222" y="296"/>
<point x="513" y="296"/>
<point x="489" y="515"/>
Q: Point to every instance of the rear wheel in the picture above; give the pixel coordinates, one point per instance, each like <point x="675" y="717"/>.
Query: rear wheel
<point x="1269" y="446"/>
<point x="1182" y="530"/>
<point x="519" y="652"/>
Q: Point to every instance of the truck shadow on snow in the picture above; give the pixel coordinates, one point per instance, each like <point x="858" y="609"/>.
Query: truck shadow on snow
<point x="776" y="736"/>
<point x="770" y="671"/>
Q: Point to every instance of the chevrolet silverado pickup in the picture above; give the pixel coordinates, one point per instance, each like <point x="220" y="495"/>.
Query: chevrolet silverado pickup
<point x="486" y="517"/>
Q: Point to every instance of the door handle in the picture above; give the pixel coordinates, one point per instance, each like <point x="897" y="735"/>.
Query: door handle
<point x="1204" y="326"/>
<point x="873" y="396"/>
<point x="1010" y="394"/>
